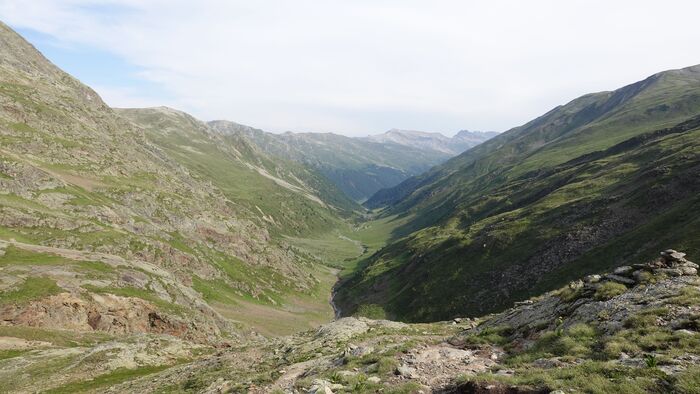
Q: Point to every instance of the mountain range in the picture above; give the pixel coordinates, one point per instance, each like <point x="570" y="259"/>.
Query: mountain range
<point x="360" y="167"/>
<point x="145" y="251"/>
<point x="462" y="141"/>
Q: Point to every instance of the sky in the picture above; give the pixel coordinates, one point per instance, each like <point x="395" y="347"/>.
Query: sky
<point x="359" y="67"/>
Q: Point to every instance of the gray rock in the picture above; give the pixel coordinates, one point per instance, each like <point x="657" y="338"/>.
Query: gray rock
<point x="374" y="379"/>
<point x="625" y="270"/>
<point x="592" y="278"/>
<point x="548" y="363"/>
<point x="320" y="386"/>
<point x="672" y="255"/>
<point x="406" y="371"/>
<point x="342" y="329"/>
<point x="688" y="271"/>
<point x="673" y="272"/>
<point x="358" y="351"/>
<point x="685" y="332"/>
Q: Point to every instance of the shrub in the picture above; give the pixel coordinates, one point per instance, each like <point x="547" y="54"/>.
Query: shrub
<point x="651" y="361"/>
<point x="688" y="382"/>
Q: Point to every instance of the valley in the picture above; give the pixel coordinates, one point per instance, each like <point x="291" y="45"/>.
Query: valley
<point x="143" y="250"/>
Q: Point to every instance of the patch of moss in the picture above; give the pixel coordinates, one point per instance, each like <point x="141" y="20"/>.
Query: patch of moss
<point x="31" y="289"/>
<point x="492" y="335"/>
<point x="109" y="379"/>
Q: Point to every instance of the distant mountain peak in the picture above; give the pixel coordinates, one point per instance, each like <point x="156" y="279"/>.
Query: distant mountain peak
<point x="432" y="140"/>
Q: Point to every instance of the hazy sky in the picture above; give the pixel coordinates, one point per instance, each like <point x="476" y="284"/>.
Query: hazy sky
<point x="359" y="67"/>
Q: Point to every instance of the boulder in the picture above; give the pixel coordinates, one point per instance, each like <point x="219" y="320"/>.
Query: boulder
<point x="358" y="351"/>
<point x="688" y="271"/>
<point x="320" y="386"/>
<point x="625" y="270"/>
<point x="672" y="272"/>
<point x="406" y="371"/>
<point x="342" y="329"/>
<point x="671" y="255"/>
<point x="592" y="278"/>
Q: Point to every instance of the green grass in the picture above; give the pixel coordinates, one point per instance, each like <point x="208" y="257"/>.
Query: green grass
<point x="213" y="290"/>
<point x="15" y="256"/>
<point x="11" y="353"/>
<point x="608" y="290"/>
<point x="370" y="311"/>
<point x="63" y="338"/>
<point x="32" y="288"/>
<point x="15" y="201"/>
<point x="576" y="342"/>
<point x="105" y="380"/>
<point x="331" y="248"/>
<point x="595" y="377"/>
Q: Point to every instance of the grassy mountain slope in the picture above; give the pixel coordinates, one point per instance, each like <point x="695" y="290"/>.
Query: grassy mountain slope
<point x="163" y="227"/>
<point x="358" y="167"/>
<point x="608" y="177"/>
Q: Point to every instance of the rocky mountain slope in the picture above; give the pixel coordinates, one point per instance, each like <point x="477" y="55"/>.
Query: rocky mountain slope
<point x="632" y="330"/>
<point x="359" y="166"/>
<point x="462" y="141"/>
<point x="606" y="178"/>
<point x="146" y="221"/>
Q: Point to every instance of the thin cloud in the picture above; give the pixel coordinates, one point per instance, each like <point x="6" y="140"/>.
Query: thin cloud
<point x="360" y="67"/>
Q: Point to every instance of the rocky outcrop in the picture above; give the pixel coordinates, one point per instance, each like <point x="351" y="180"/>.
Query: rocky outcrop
<point x="641" y="287"/>
<point x="103" y="312"/>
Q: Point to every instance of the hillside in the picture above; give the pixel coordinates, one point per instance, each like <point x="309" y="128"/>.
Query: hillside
<point x="633" y="330"/>
<point x="147" y="221"/>
<point x="359" y="166"/>
<point x="606" y="178"/>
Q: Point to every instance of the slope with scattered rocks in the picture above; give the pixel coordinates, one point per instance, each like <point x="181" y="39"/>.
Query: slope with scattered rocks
<point x="633" y="330"/>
